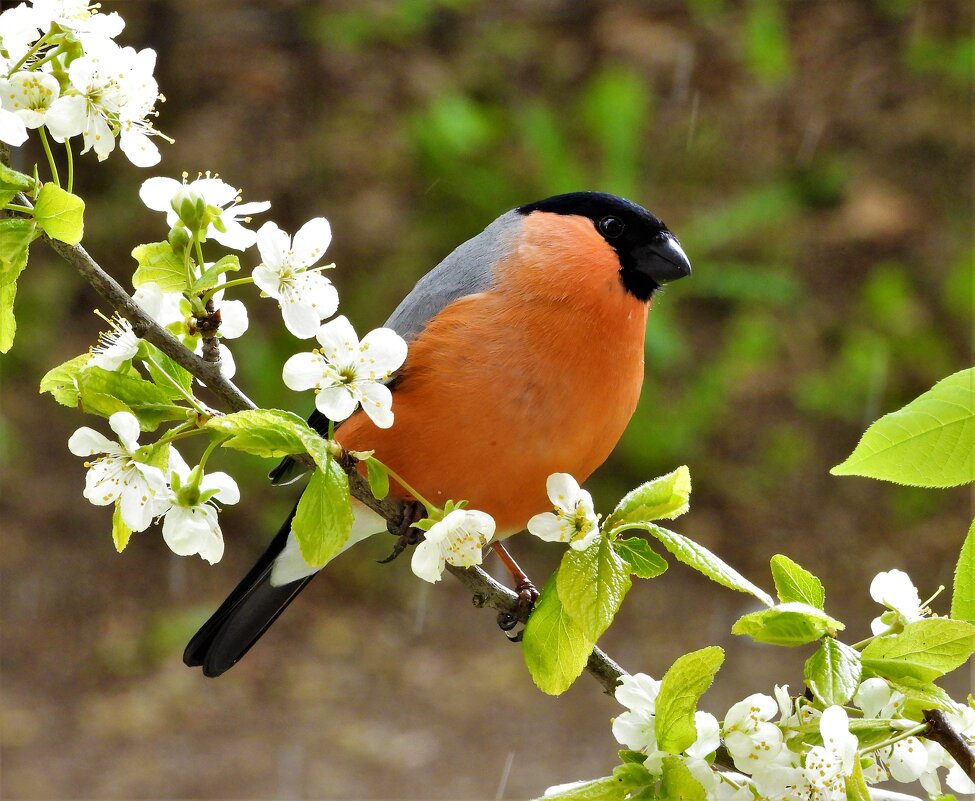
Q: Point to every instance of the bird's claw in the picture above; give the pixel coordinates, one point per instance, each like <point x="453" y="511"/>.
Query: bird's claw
<point x="413" y="511"/>
<point x="527" y="595"/>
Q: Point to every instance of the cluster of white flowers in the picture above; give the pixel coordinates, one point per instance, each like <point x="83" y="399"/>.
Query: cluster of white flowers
<point x="184" y="498"/>
<point x="636" y="729"/>
<point x="60" y="68"/>
<point x="773" y="762"/>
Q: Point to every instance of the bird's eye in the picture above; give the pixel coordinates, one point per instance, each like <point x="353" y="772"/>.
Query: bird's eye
<point x="611" y="227"/>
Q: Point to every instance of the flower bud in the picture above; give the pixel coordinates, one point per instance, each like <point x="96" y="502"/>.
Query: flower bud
<point x="191" y="208"/>
<point x="179" y="238"/>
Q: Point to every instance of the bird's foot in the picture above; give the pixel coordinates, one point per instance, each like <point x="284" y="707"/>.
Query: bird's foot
<point x="413" y="511"/>
<point x="527" y="595"/>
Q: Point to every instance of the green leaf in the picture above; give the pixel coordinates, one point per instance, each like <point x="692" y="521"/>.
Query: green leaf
<point x="120" y="531"/>
<point x="963" y="594"/>
<point x="323" y="520"/>
<point x="104" y="392"/>
<point x="159" y="264"/>
<point x="556" y="649"/>
<point x="12" y="182"/>
<point x="168" y="375"/>
<point x="643" y="560"/>
<point x="8" y="324"/>
<point x="60" y="214"/>
<point x="680" y="689"/>
<point x="703" y="561"/>
<point x="210" y="278"/>
<point x="270" y="433"/>
<point x="794" y="583"/>
<point x="591" y="586"/>
<point x="16" y="234"/>
<point x="664" y="498"/>
<point x="833" y="672"/>
<point x="787" y="624"/>
<point x="920" y="695"/>
<point x="925" y="649"/>
<point x="378" y="479"/>
<point x="61" y="381"/>
<point x="928" y="443"/>
<point x="678" y="783"/>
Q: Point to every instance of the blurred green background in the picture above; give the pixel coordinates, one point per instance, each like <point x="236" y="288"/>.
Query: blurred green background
<point x="815" y="160"/>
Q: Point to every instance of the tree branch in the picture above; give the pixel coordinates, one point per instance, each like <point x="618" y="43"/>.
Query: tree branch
<point x="485" y="590"/>
<point x="943" y="733"/>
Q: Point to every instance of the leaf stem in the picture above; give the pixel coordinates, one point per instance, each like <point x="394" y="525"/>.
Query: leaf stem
<point x="37" y="46"/>
<point x="431" y="508"/>
<point x="21" y="209"/>
<point x="67" y="147"/>
<point x="219" y="287"/>
<point x="920" y="728"/>
<point x="50" y="155"/>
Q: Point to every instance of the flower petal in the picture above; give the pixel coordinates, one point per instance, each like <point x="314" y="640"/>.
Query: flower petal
<point x="227" y="490"/>
<point x="233" y="319"/>
<point x="339" y="341"/>
<point x="546" y="527"/>
<point x="311" y="242"/>
<point x="157" y="193"/>
<point x="304" y="371"/>
<point x="428" y="562"/>
<point x="335" y="402"/>
<point x="377" y="403"/>
<point x="86" y="441"/>
<point x="274" y="246"/>
<point x="300" y="319"/>
<point x="383" y="351"/>
<point x="563" y="490"/>
<point x="126" y="426"/>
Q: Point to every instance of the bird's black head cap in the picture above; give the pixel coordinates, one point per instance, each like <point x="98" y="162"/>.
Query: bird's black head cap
<point x="649" y="254"/>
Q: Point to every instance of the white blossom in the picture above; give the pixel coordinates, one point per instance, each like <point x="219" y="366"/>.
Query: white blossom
<point x="222" y="202"/>
<point x="749" y="736"/>
<point x="29" y="95"/>
<point x="827" y="765"/>
<point x="116" y="346"/>
<point x="345" y="372"/>
<point x="116" y="476"/>
<point x="574" y="520"/>
<point x="636" y="728"/>
<point x="306" y="296"/>
<point x="190" y="524"/>
<point x="458" y="539"/>
<point x="93" y="104"/>
<point x="166" y="308"/>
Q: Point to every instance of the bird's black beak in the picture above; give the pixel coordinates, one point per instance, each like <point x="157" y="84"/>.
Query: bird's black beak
<point x="663" y="259"/>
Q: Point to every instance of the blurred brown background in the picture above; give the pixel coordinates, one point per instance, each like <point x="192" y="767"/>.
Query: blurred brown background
<point x="815" y="160"/>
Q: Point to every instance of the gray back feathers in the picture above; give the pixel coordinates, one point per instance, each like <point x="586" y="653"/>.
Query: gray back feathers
<point x="469" y="269"/>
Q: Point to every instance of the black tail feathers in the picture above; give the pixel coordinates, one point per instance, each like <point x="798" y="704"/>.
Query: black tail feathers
<point x="246" y="614"/>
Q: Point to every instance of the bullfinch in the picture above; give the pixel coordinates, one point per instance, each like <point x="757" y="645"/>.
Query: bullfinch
<point x="525" y="359"/>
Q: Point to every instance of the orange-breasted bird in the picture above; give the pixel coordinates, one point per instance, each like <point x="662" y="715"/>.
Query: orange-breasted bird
<point x="525" y="359"/>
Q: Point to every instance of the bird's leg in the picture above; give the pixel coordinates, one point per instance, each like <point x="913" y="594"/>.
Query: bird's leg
<point x="527" y="594"/>
<point x="413" y="511"/>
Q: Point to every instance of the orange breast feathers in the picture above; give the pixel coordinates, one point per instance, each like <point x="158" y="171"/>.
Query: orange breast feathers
<point x="539" y="375"/>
